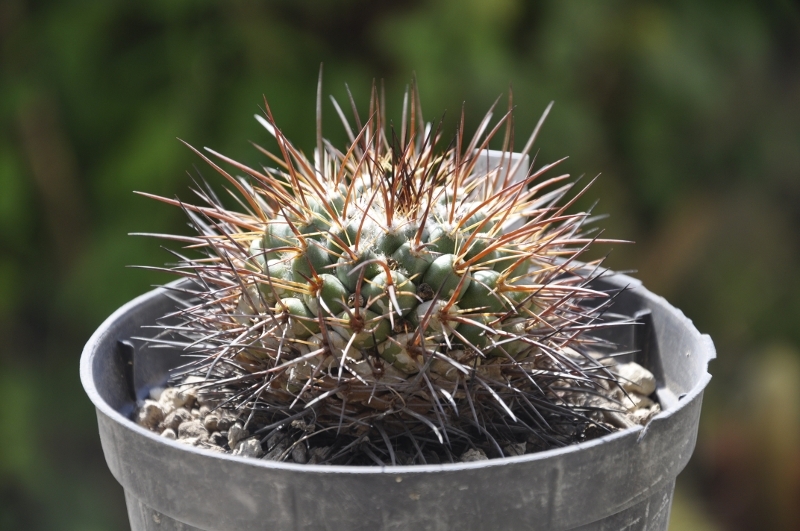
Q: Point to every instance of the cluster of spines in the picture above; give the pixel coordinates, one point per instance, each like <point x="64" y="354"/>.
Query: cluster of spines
<point x="395" y="288"/>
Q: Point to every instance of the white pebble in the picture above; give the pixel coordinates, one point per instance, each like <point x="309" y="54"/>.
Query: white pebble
<point x="635" y="378"/>
<point x="176" y="418"/>
<point x="644" y="415"/>
<point x="191" y="386"/>
<point x="150" y="414"/>
<point x="169" y="434"/>
<point x="155" y="393"/>
<point x="515" y="449"/>
<point x="192" y="429"/>
<point x="249" y="448"/>
<point x="174" y="397"/>
<point x="235" y="434"/>
<point x="473" y="454"/>
<point x="190" y="393"/>
<point x="211" y="422"/>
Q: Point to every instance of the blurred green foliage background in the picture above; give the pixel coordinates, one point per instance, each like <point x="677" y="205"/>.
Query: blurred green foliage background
<point x="690" y="110"/>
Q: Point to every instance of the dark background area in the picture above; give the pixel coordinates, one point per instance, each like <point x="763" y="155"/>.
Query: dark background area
<point x="689" y="110"/>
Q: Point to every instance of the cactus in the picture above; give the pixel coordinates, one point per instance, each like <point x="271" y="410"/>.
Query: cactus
<point x="392" y="302"/>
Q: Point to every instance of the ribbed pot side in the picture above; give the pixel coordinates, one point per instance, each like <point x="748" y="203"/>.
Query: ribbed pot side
<point x="624" y="480"/>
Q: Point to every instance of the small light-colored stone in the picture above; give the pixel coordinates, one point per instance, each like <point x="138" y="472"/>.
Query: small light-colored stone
<point x="204" y="411"/>
<point x="635" y="378"/>
<point x="515" y="449"/>
<point x="301" y="424"/>
<point x="473" y="454"/>
<point x="167" y="395"/>
<point x="191" y="429"/>
<point x="249" y="448"/>
<point x="169" y="434"/>
<point x="190" y="393"/>
<point x="211" y="422"/>
<point x="174" y="397"/>
<point x="155" y="393"/>
<point x="176" y="418"/>
<point x="644" y="415"/>
<point x="191" y="387"/>
<point x="235" y="434"/>
<point x="167" y="407"/>
<point x="150" y="415"/>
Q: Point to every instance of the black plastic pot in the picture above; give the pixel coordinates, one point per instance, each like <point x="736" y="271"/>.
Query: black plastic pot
<point x="621" y="481"/>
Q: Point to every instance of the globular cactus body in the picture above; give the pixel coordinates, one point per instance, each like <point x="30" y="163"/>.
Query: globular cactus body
<point x="395" y="295"/>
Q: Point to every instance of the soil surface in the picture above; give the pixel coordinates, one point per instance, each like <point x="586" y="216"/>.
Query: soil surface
<point x="185" y="414"/>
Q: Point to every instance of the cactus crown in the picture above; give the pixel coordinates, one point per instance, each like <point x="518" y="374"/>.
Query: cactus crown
<point x="395" y="303"/>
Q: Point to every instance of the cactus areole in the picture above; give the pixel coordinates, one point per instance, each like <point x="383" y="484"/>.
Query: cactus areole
<point x="395" y="301"/>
